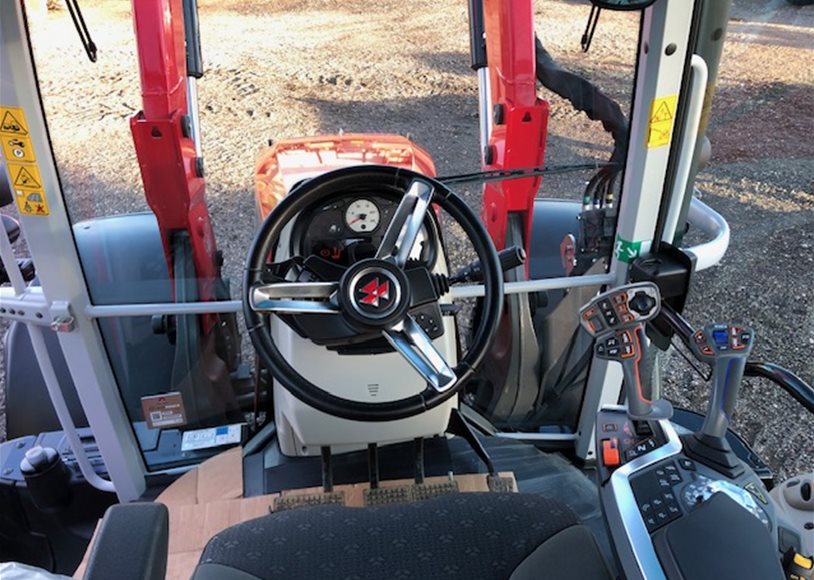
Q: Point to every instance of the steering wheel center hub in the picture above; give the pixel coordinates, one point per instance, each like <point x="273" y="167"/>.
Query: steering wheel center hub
<point x="374" y="293"/>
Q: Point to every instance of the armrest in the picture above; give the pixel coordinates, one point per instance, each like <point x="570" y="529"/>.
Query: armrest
<point x="131" y="544"/>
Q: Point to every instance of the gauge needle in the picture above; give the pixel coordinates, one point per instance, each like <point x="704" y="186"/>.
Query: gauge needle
<point x="361" y="217"/>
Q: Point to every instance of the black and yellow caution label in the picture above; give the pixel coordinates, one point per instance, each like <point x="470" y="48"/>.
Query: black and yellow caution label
<point x="12" y="121"/>
<point x="660" y="129"/>
<point x="21" y="162"/>
<point x="17" y="148"/>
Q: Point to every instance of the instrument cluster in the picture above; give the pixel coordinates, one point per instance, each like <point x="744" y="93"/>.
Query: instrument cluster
<point x="350" y="228"/>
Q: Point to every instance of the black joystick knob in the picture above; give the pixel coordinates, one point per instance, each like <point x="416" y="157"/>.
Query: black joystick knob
<point x="47" y="478"/>
<point x="642" y="303"/>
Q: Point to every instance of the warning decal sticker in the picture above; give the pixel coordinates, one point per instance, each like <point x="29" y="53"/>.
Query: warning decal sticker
<point x="17" y="148"/>
<point x="21" y="162"/>
<point x="662" y="113"/>
<point x="12" y="121"/>
<point x="24" y="176"/>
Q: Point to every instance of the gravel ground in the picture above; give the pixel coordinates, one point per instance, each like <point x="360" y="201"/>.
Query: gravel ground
<point x="283" y="68"/>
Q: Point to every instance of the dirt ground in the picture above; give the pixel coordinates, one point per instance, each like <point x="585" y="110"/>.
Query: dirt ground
<point x="283" y="68"/>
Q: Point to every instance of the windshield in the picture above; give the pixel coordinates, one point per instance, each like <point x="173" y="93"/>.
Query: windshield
<point x="286" y="79"/>
<point x="278" y="72"/>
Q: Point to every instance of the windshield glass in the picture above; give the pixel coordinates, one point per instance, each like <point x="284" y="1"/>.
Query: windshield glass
<point x="299" y="72"/>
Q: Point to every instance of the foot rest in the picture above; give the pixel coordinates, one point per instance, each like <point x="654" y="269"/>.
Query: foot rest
<point x="288" y="502"/>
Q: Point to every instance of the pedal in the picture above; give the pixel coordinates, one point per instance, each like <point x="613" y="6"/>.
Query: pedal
<point x="430" y="490"/>
<point x="500" y="484"/>
<point x="288" y="502"/>
<point x="388" y="495"/>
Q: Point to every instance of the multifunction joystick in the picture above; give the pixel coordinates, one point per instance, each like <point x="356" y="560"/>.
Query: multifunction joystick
<point x="616" y="318"/>
<point x="725" y="347"/>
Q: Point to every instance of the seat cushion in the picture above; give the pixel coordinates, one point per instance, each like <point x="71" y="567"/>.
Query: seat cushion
<point x="467" y="535"/>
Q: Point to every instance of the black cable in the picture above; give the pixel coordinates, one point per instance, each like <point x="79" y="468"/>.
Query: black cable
<point x="506" y="174"/>
<point x="701" y="374"/>
<point x="82" y="29"/>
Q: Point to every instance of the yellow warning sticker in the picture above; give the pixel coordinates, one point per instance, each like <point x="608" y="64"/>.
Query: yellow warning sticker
<point x="21" y="162"/>
<point x="17" y="148"/>
<point x="12" y="121"/>
<point x="662" y="113"/>
<point x="24" y="176"/>
<point x="32" y="202"/>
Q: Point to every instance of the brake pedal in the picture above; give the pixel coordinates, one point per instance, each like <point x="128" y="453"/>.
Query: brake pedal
<point x="430" y="490"/>
<point x="388" y="495"/>
<point x="288" y="502"/>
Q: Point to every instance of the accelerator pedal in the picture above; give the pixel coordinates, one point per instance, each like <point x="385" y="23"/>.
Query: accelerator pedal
<point x="500" y="484"/>
<point x="408" y="493"/>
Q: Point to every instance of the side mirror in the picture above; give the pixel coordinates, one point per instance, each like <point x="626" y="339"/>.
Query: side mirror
<point x="622" y="4"/>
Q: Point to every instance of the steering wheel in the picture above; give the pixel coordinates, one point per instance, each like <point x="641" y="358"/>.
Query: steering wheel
<point x="374" y="296"/>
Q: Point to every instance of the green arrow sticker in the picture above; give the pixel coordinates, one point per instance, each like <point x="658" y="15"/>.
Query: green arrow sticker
<point x="626" y="251"/>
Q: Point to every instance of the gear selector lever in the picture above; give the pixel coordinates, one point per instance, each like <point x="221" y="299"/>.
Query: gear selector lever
<point x="616" y="318"/>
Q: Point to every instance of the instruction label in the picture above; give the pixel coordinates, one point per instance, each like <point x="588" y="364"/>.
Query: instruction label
<point x="662" y="114"/>
<point x="21" y="162"/>
<point x="212" y="437"/>
<point x="163" y="411"/>
<point x="17" y="148"/>
<point x="626" y="251"/>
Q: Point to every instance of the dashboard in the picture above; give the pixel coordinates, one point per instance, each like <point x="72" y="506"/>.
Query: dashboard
<point x="351" y="227"/>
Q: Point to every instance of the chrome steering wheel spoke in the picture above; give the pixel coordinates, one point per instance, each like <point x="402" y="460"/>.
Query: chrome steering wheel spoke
<point x="295" y="298"/>
<point x="406" y="224"/>
<point x="410" y="340"/>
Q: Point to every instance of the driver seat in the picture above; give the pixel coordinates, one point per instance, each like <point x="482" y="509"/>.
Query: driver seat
<point x="464" y="535"/>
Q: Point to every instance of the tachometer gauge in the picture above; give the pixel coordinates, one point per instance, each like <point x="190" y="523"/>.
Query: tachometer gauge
<point x="362" y="216"/>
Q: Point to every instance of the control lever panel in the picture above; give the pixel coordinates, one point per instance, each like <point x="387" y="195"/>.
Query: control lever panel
<point x="621" y="308"/>
<point x="616" y="318"/>
<point x="717" y="340"/>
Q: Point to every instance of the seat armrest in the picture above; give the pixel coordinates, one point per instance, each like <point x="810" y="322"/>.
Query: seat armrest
<point x="131" y="544"/>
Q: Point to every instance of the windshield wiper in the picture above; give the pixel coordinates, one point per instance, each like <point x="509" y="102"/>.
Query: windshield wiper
<point x="505" y="174"/>
<point x="82" y="29"/>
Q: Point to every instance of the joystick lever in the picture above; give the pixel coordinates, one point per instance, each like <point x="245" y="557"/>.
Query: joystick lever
<point x="616" y="319"/>
<point x="726" y="348"/>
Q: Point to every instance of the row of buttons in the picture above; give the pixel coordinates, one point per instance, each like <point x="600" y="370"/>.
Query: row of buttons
<point x="723" y="339"/>
<point x="429" y="319"/>
<point x="660" y="510"/>
<point x="619" y="345"/>
<point x="655" y="494"/>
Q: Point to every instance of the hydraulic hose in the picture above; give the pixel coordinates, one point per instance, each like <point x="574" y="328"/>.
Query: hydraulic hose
<point x="585" y="97"/>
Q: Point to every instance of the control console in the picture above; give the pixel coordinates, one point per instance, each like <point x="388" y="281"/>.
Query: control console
<point x="681" y="507"/>
<point x="667" y="513"/>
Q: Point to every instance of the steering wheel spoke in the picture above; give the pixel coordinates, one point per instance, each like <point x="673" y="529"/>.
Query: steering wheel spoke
<point x="410" y="340"/>
<point x="295" y="298"/>
<point x="406" y="224"/>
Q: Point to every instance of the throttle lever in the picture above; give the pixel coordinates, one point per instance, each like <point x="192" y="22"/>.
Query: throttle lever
<point x="617" y="318"/>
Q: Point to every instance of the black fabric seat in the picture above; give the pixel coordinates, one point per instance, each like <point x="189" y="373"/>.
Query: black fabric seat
<point x="465" y="535"/>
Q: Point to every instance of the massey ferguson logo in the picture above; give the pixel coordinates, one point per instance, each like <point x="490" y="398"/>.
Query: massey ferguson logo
<point x="374" y="291"/>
